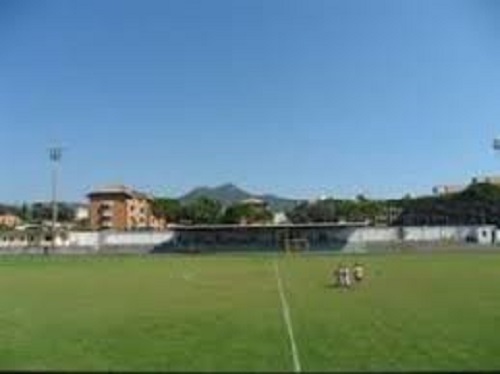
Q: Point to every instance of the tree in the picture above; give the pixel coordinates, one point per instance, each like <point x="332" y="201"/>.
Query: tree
<point x="238" y="213"/>
<point x="25" y="212"/>
<point x="479" y="203"/>
<point x="323" y="211"/>
<point x="360" y="197"/>
<point x="300" y="214"/>
<point x="43" y="212"/>
<point x="168" y="209"/>
<point x="203" y="210"/>
<point x="318" y="211"/>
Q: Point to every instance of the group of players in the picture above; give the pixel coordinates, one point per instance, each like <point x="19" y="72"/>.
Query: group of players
<point x="345" y="277"/>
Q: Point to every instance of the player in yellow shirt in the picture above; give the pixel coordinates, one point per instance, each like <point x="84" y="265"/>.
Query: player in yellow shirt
<point x="358" y="272"/>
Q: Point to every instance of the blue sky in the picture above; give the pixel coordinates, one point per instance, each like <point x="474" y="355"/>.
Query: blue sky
<point x="298" y="98"/>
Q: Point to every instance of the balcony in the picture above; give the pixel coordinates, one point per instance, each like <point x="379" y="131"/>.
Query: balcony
<point x="106" y="213"/>
<point x="105" y="224"/>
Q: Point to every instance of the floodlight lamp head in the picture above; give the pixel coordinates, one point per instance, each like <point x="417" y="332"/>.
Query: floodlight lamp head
<point x="496" y="144"/>
<point x="55" y="154"/>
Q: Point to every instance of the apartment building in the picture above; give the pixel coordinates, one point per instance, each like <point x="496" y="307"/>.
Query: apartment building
<point x="121" y="208"/>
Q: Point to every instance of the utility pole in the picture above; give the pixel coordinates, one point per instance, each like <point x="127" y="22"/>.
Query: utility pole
<point x="55" y="154"/>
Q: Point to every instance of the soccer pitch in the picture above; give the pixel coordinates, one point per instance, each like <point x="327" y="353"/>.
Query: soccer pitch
<point x="200" y="313"/>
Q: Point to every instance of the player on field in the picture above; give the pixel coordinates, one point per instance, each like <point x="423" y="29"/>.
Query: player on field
<point x="346" y="275"/>
<point x="358" y="272"/>
<point x="337" y="276"/>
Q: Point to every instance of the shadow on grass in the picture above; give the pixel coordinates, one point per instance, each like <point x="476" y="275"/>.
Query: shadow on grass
<point x="337" y="286"/>
<point x="333" y="285"/>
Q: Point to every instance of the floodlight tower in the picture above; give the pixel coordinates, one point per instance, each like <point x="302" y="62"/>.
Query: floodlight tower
<point x="55" y="155"/>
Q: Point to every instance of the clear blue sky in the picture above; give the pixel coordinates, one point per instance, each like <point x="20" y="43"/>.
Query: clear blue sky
<point x="298" y="98"/>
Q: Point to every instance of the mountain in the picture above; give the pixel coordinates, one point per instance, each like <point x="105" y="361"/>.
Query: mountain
<point x="229" y="194"/>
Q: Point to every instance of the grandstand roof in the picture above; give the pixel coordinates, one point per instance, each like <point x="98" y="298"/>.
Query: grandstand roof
<point x="267" y="226"/>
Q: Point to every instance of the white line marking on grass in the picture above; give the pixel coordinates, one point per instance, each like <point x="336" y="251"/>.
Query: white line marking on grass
<point x="288" y="320"/>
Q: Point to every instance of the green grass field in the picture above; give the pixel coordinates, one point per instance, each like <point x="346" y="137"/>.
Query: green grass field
<point x="414" y="312"/>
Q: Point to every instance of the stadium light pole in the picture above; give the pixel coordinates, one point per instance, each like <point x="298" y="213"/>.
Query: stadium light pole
<point x="55" y="154"/>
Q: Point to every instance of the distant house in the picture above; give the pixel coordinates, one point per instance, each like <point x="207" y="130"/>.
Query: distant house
<point x="280" y="218"/>
<point x="448" y="189"/>
<point x="254" y="202"/>
<point x="261" y="211"/>
<point x="456" y="188"/>
<point x="491" y="179"/>
<point x="118" y="207"/>
<point x="82" y="212"/>
<point x="10" y="221"/>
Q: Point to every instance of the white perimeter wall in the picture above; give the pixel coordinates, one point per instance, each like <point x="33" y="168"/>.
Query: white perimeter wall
<point x="373" y="234"/>
<point x="482" y="234"/>
<point x="136" y="238"/>
<point x="83" y="239"/>
<point x="98" y="239"/>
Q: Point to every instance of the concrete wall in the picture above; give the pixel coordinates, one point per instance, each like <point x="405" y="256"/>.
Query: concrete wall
<point x="260" y="239"/>
<point x="21" y="250"/>
<point x="321" y="238"/>
<point x="481" y="234"/>
<point x="373" y="234"/>
<point x="135" y="238"/>
<point x="20" y="242"/>
<point x="84" y="239"/>
<point x="16" y="239"/>
<point x="105" y="239"/>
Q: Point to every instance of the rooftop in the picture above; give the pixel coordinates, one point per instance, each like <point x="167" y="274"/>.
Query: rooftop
<point x="253" y="201"/>
<point x="119" y="189"/>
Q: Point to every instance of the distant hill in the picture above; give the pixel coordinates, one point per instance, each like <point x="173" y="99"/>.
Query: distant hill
<point x="229" y="194"/>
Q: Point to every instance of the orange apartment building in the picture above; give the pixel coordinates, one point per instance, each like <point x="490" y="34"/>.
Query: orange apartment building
<point x="122" y="208"/>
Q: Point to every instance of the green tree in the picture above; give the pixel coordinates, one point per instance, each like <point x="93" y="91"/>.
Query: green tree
<point x="361" y="198"/>
<point x="168" y="209"/>
<point x="25" y="212"/>
<point x="203" y="210"/>
<point x="238" y="213"/>
<point x="43" y="212"/>
<point x="300" y="213"/>
<point x="318" y="211"/>
<point x="479" y="203"/>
